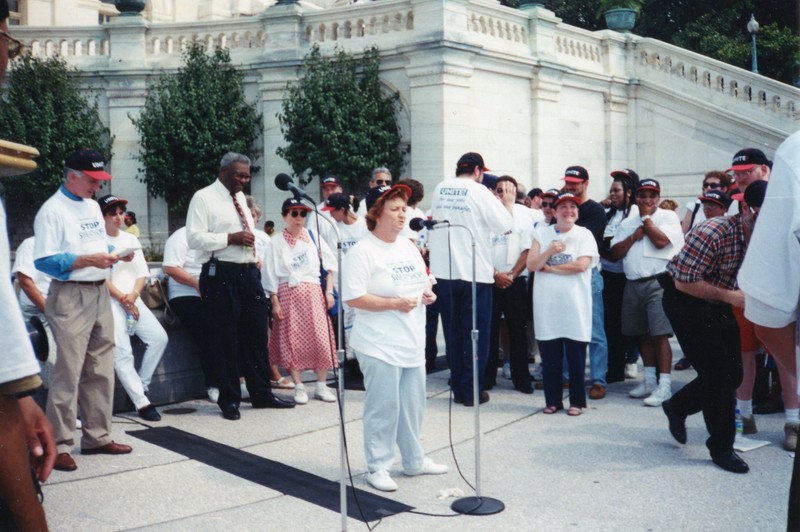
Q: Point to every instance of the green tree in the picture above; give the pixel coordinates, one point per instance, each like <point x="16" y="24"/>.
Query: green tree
<point x="42" y="106"/>
<point x="189" y="120"/>
<point x="338" y="120"/>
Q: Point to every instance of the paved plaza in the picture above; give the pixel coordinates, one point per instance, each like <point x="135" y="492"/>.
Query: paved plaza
<point x="613" y="468"/>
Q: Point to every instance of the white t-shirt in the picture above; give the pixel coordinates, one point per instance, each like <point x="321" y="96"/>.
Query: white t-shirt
<point x="178" y="254"/>
<point x="463" y="201"/>
<point x="389" y="270"/>
<point x="562" y="304"/>
<point x="64" y="225"/>
<point x="507" y="247"/>
<point x="325" y="225"/>
<point x="294" y="265"/>
<point x="23" y="263"/>
<point x="124" y="274"/>
<point x="643" y="258"/>
<point x="611" y="229"/>
<point x="350" y="234"/>
<point x="17" y="360"/>
<point x="263" y="241"/>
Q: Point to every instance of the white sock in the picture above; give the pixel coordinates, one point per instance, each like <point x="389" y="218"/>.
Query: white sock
<point x="745" y="407"/>
<point x="650" y="375"/>
<point x="793" y="415"/>
<point x="299" y="386"/>
<point x="321" y="385"/>
<point x="665" y="380"/>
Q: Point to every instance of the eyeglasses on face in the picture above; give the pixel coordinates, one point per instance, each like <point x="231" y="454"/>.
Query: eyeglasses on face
<point x="295" y="213"/>
<point x="548" y="204"/>
<point x="15" y="46"/>
<point x="712" y="185"/>
<point x="382" y="182"/>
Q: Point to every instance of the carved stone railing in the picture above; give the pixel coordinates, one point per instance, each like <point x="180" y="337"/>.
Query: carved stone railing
<point x="67" y="42"/>
<point x="498" y="23"/>
<point x="247" y="33"/>
<point x="579" y="48"/>
<point x="379" y="19"/>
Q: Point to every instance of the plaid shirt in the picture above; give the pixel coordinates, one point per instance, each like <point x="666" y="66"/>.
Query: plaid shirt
<point x="713" y="252"/>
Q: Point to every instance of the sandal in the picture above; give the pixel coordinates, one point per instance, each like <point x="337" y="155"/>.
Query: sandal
<point x="574" y="411"/>
<point x="683" y="364"/>
<point x="283" y="383"/>
<point x="550" y="409"/>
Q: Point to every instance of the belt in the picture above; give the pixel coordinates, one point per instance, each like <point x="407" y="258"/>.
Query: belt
<point x="85" y="283"/>
<point x="238" y="265"/>
<point x="645" y="279"/>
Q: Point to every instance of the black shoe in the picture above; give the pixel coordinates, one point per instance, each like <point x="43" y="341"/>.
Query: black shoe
<point x="483" y="397"/>
<point x="730" y="461"/>
<point x="773" y="405"/>
<point x="677" y="423"/>
<point x="682" y="364"/>
<point x="231" y="412"/>
<point x="273" y="401"/>
<point x="524" y="388"/>
<point x="149" y="413"/>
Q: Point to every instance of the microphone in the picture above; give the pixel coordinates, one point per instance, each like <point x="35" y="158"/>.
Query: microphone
<point x="284" y="182"/>
<point x="418" y="224"/>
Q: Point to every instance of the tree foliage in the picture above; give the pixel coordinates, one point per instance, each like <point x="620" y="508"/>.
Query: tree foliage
<point x="337" y="119"/>
<point x="189" y="121"/>
<point x="42" y="106"/>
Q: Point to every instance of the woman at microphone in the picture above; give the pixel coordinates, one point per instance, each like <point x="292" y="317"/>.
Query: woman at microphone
<point x="386" y="282"/>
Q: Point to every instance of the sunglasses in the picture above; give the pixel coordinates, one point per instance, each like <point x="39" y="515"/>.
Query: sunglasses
<point x="382" y="182"/>
<point x="547" y="204"/>
<point x="295" y="213"/>
<point x="15" y="46"/>
<point x="712" y="185"/>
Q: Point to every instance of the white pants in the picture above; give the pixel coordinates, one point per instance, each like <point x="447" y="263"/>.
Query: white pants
<point x="394" y="405"/>
<point x="149" y="331"/>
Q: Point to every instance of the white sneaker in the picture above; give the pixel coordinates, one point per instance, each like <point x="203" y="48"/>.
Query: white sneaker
<point x="300" y="395"/>
<point x="631" y="370"/>
<point x="323" y="393"/>
<point x="506" y="370"/>
<point x="661" y="394"/>
<point x="537" y="372"/>
<point x="429" y="467"/>
<point x="380" y="480"/>
<point x="213" y="394"/>
<point x="78" y="424"/>
<point x="245" y="393"/>
<point x="643" y="390"/>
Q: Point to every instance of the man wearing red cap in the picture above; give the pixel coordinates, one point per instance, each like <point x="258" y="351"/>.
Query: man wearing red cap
<point x="71" y="247"/>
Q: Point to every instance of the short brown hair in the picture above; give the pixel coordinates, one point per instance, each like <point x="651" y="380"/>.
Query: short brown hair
<point x="724" y="179"/>
<point x="377" y="208"/>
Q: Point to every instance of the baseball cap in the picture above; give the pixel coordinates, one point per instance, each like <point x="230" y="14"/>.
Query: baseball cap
<point x="566" y="196"/>
<point x="376" y="192"/>
<point x="89" y="162"/>
<point x="716" y="196"/>
<point x="755" y="192"/>
<point x="331" y="181"/>
<point x="108" y="201"/>
<point x="551" y="193"/>
<point x="626" y="174"/>
<point x="576" y="174"/>
<point x="468" y="161"/>
<point x="336" y="201"/>
<point x="489" y="180"/>
<point x="293" y="203"/>
<point x="649" y="184"/>
<point x="748" y="158"/>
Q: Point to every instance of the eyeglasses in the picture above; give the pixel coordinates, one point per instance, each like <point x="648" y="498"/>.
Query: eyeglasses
<point x="712" y="185"/>
<point x="295" y="213"/>
<point x="15" y="46"/>
<point x="548" y="204"/>
<point x="382" y="182"/>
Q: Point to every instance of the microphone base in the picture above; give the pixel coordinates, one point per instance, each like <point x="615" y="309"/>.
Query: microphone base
<point x="477" y="506"/>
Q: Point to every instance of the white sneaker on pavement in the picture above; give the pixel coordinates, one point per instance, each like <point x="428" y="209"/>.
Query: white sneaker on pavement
<point x="323" y="393"/>
<point x="380" y="480"/>
<point x="429" y="467"/>
<point x="661" y="394"/>
<point x="506" y="370"/>
<point x="631" y="370"/>
<point x="300" y="395"/>
<point x="245" y="393"/>
<point x="643" y="390"/>
<point x="213" y="394"/>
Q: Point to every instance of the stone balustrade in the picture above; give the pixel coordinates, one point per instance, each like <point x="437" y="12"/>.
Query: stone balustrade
<point x="358" y="21"/>
<point x="69" y="43"/>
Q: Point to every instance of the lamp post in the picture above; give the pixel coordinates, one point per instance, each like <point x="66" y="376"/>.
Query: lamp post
<point x="752" y="27"/>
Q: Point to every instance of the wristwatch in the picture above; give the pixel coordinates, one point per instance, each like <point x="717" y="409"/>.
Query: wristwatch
<point x="646" y="217"/>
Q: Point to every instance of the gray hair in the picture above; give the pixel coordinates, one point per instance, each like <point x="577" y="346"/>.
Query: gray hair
<point x="254" y="207"/>
<point x="232" y="157"/>
<point x="380" y="170"/>
<point x="68" y="171"/>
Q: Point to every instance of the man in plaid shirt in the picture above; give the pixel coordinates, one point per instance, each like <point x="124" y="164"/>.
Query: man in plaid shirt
<point x="698" y="296"/>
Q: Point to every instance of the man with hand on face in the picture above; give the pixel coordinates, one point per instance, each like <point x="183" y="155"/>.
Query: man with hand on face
<point x="220" y="227"/>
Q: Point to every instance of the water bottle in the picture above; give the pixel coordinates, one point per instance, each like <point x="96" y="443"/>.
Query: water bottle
<point x="739" y="424"/>
<point x="130" y="323"/>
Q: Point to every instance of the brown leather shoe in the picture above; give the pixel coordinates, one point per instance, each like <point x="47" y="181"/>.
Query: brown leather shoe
<point x="597" y="391"/>
<point x="64" y="462"/>
<point x="109" y="448"/>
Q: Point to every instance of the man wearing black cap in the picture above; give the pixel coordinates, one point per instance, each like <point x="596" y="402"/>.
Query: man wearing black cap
<point x="464" y="201"/>
<point x="715" y="203"/>
<point x="698" y="296"/>
<point x="592" y="216"/>
<point x="220" y="227"/>
<point x="71" y="247"/>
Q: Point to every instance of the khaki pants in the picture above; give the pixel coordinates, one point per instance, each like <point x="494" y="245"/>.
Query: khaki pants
<point x="83" y="327"/>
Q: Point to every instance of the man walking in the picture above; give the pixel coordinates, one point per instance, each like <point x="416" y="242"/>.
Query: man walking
<point x="219" y="226"/>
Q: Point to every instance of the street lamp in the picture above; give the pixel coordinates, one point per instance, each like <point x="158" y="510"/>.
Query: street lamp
<point x="752" y="27"/>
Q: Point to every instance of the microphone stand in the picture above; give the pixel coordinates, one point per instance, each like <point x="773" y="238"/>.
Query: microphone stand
<point x="477" y="505"/>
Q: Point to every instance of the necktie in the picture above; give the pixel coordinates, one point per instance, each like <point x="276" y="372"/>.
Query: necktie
<point x="245" y="225"/>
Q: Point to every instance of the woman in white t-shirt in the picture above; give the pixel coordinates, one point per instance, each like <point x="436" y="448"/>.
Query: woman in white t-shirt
<point x="387" y="284"/>
<point x="302" y="336"/>
<point x="562" y="256"/>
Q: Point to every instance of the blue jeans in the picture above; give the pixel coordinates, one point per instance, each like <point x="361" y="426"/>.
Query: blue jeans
<point x="598" y="347"/>
<point x="455" y="305"/>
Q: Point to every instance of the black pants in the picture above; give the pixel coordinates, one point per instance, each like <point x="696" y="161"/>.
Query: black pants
<point x="237" y="311"/>
<point x="709" y="336"/>
<point x="510" y="303"/>
<point x="192" y="314"/>
<point x="613" y="286"/>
